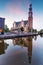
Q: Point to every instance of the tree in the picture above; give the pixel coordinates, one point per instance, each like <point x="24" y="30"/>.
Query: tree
<point x="29" y="30"/>
<point x="34" y="30"/>
<point x="22" y="29"/>
<point x="6" y="29"/>
<point x="41" y="31"/>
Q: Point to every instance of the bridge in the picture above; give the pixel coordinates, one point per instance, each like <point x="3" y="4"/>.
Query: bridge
<point x="11" y="35"/>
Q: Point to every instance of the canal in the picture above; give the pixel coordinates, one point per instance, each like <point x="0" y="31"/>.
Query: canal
<point x="22" y="51"/>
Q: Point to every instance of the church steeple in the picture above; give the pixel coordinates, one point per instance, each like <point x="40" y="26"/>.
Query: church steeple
<point x="30" y="17"/>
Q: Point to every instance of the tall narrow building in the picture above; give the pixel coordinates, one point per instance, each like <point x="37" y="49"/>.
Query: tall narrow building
<point x="30" y="17"/>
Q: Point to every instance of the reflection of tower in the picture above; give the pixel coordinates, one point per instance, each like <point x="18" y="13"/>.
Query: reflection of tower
<point x="30" y="18"/>
<point x="29" y="49"/>
<point x="3" y="46"/>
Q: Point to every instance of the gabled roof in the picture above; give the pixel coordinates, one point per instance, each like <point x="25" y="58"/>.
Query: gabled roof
<point x="17" y="23"/>
<point x="25" y="22"/>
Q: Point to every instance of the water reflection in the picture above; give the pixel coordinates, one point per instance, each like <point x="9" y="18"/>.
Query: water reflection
<point x="41" y="35"/>
<point x="3" y="47"/>
<point x="23" y="51"/>
<point x="30" y="49"/>
<point x="25" y="42"/>
<point x="35" y="37"/>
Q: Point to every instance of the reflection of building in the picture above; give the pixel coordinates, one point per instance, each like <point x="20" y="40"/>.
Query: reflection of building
<point x="18" y="41"/>
<point x="27" y="42"/>
<point x="14" y="42"/>
<point x="25" y="24"/>
<point x="3" y="46"/>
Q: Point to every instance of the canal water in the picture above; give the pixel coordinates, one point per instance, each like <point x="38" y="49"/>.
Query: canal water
<point x="22" y="51"/>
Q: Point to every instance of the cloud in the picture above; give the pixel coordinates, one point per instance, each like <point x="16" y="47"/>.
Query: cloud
<point x="38" y="20"/>
<point x="15" y="9"/>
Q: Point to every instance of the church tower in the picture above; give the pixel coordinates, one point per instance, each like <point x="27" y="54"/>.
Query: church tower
<point x="30" y="17"/>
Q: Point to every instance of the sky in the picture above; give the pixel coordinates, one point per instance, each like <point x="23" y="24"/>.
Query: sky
<point x="16" y="10"/>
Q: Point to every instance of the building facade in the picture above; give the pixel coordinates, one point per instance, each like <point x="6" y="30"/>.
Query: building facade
<point x="25" y="24"/>
<point x="2" y="20"/>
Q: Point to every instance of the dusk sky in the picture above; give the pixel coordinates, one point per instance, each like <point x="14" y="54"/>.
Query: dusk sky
<point x="16" y="10"/>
